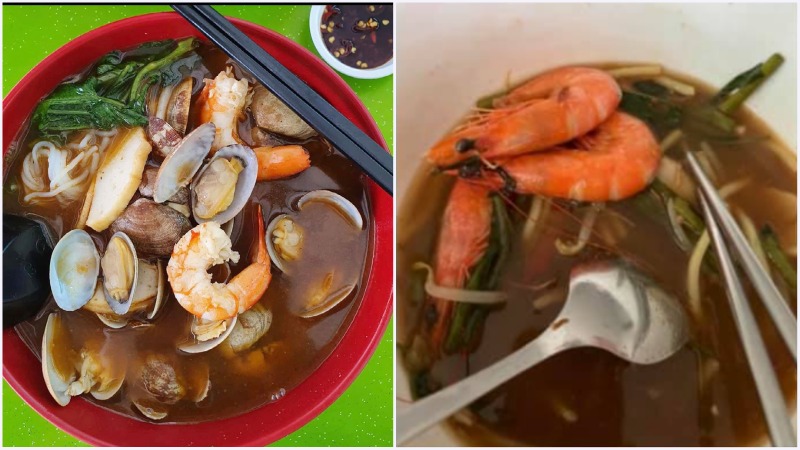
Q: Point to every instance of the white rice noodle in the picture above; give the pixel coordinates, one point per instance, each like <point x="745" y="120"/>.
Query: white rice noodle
<point x="680" y="87"/>
<point x="540" y="209"/>
<point x="750" y="232"/>
<point x="62" y="173"/>
<point x="456" y="294"/>
<point x="636" y="71"/>
<point x="733" y="187"/>
<point x="693" y="275"/>
<point x="569" y="249"/>
<point x="672" y="138"/>
<point x="549" y="298"/>
<point x="682" y="239"/>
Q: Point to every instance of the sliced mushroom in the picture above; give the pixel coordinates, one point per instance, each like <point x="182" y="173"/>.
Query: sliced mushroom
<point x="222" y="188"/>
<point x="162" y="135"/>
<point x="152" y="227"/>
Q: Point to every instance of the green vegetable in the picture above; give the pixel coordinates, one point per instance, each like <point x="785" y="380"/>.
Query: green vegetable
<point x="660" y="114"/>
<point x="114" y="92"/>
<point x="468" y="319"/>
<point x="651" y="88"/>
<point x="769" y="240"/>
<point x="734" y="94"/>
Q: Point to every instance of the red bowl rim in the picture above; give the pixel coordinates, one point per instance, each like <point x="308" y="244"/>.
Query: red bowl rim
<point x="342" y="364"/>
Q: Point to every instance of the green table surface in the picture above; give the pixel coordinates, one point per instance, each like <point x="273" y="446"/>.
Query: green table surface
<point x="362" y="416"/>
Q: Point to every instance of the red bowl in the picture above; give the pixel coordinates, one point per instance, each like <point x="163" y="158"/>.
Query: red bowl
<point x="272" y="421"/>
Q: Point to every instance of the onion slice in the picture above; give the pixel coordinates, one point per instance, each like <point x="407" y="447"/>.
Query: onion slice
<point x="456" y="294"/>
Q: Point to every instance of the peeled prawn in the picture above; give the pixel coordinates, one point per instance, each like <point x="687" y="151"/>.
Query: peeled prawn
<point x="280" y="162"/>
<point x="222" y="102"/>
<point x="207" y="245"/>
<point x="548" y="110"/>
<point x="463" y="240"/>
<point x="616" y="161"/>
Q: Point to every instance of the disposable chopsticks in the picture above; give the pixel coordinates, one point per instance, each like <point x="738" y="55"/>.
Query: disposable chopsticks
<point x="304" y="101"/>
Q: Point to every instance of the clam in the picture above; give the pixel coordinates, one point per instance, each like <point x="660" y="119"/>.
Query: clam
<point x="284" y="241"/>
<point x="68" y="373"/>
<point x="339" y="203"/>
<point x="150" y="409"/>
<point x="148" y="185"/>
<point x="160" y="379"/>
<point x="251" y="326"/>
<point x="149" y="296"/>
<point x="74" y="267"/>
<point x="177" y="108"/>
<point x="207" y="334"/>
<point x="285" y="238"/>
<point x="57" y="365"/>
<point x="198" y="381"/>
<point x="182" y="164"/>
<point x="322" y="300"/>
<point x="152" y="227"/>
<point x="120" y="272"/>
<point x="221" y="189"/>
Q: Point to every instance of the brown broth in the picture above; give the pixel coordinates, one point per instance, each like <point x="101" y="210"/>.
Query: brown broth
<point x="293" y="347"/>
<point x="588" y="397"/>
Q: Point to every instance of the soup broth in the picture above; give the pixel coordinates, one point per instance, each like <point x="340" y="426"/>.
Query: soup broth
<point x="702" y="395"/>
<point x="292" y="348"/>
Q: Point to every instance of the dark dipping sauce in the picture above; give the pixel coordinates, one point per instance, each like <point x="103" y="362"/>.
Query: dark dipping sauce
<point x="704" y="395"/>
<point x="359" y="35"/>
<point x="292" y="348"/>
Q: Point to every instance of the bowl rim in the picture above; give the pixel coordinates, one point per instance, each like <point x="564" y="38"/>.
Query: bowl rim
<point x="316" y="36"/>
<point x="343" y="364"/>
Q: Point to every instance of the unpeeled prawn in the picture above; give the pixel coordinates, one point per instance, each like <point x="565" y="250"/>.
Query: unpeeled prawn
<point x="548" y="110"/>
<point x="207" y="245"/>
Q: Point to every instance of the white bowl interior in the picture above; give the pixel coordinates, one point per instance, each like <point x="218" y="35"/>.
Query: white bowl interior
<point x="448" y="64"/>
<point x="314" y="20"/>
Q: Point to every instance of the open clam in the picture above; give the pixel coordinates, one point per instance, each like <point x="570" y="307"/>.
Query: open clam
<point x="74" y="267"/>
<point x="68" y="373"/>
<point x="149" y="296"/>
<point x="221" y="188"/>
<point x="182" y="164"/>
<point x="324" y="298"/>
<point x="120" y="272"/>
<point x="207" y="334"/>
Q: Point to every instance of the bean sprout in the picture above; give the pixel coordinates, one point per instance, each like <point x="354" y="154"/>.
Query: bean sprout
<point x="583" y="236"/>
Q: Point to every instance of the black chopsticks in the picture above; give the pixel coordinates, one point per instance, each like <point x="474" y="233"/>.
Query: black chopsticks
<point x="304" y="101"/>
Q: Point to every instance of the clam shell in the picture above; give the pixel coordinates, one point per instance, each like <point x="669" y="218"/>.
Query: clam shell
<point x="112" y="321"/>
<point x="148" y="184"/>
<point x="274" y="256"/>
<point x="341" y="204"/>
<point x="152" y="227"/>
<point x="177" y="111"/>
<point x="57" y="379"/>
<point x="161" y="292"/>
<point x="74" y="267"/>
<point x="244" y="184"/>
<point x="106" y="392"/>
<point x="194" y="346"/>
<point x="252" y="325"/>
<point x="121" y="307"/>
<point x="151" y="410"/>
<point x="330" y="302"/>
<point x="182" y="164"/>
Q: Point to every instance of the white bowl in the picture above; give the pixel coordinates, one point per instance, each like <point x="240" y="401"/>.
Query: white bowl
<point x="448" y="64"/>
<point x="314" y="21"/>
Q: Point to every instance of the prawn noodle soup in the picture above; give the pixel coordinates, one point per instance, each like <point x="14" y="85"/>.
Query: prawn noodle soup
<point x="177" y="163"/>
<point x="517" y="229"/>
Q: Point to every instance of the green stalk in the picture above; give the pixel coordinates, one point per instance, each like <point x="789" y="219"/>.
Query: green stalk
<point x="769" y="240"/>
<point x="752" y="81"/>
<point x="183" y="46"/>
